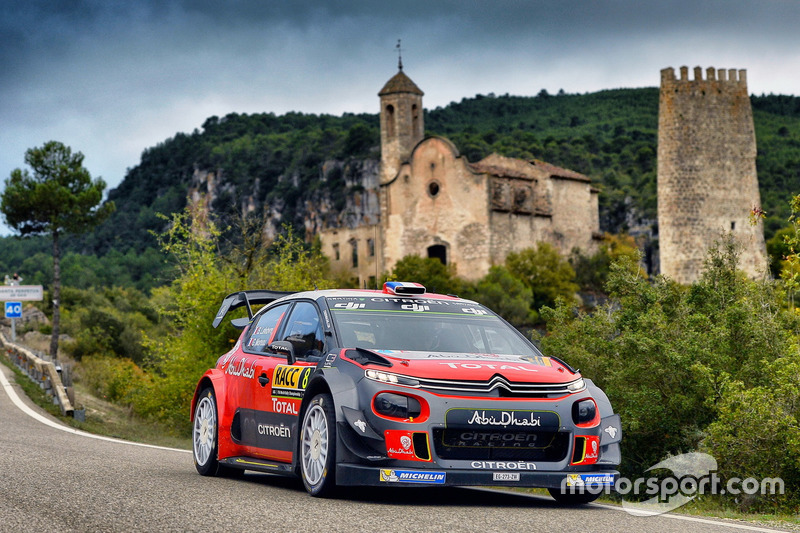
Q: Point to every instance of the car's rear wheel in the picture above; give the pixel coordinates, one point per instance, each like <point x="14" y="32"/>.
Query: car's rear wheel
<point x="204" y="434"/>
<point x="318" y="446"/>
<point x="579" y="497"/>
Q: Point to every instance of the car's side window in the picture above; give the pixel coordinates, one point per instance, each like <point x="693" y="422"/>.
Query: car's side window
<point x="304" y="330"/>
<point x="263" y="331"/>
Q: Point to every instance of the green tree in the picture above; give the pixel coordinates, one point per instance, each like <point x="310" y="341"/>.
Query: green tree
<point x="430" y="272"/>
<point x="58" y="197"/>
<point x="545" y="272"/>
<point x="505" y="295"/>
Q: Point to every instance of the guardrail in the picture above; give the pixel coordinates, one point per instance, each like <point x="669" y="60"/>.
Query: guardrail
<point x="42" y="372"/>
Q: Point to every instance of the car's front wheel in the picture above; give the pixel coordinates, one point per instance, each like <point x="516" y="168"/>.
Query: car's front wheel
<point x="318" y="446"/>
<point x="578" y="497"/>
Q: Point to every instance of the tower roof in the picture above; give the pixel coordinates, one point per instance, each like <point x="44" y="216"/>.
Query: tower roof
<point x="400" y="83"/>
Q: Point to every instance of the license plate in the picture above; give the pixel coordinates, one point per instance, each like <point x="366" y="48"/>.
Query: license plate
<point x="505" y="476"/>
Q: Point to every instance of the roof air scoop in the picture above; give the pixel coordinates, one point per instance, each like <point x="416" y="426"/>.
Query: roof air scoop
<point x="403" y="288"/>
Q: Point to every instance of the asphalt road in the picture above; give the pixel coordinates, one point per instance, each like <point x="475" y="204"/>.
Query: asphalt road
<point x="56" y="480"/>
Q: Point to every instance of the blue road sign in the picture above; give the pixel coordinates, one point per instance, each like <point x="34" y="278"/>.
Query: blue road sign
<point x="13" y="309"/>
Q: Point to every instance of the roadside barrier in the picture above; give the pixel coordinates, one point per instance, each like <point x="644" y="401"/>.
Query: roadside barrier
<point x="42" y="372"/>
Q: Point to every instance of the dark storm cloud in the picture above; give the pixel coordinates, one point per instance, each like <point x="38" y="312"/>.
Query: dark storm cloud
<point x="113" y="78"/>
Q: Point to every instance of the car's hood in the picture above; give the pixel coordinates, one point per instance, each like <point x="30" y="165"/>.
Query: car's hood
<point x="478" y="367"/>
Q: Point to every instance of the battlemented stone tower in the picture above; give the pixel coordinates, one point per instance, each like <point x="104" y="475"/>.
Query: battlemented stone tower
<point x="707" y="182"/>
<point x="402" y="125"/>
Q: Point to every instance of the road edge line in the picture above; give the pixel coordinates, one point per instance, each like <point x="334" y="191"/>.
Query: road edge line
<point x="15" y="399"/>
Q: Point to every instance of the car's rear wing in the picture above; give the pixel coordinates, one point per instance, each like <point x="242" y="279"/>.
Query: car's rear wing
<point x="248" y="299"/>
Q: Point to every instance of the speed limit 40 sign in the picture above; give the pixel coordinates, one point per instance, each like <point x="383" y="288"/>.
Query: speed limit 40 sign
<point x="13" y="309"/>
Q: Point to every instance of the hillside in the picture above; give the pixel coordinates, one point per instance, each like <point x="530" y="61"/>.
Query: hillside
<point x="304" y="169"/>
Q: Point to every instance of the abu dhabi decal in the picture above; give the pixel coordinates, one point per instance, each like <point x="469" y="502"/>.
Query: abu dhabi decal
<point x="290" y="381"/>
<point x="240" y="369"/>
<point x="400" y="445"/>
<point x="413" y="476"/>
<point x="501" y="418"/>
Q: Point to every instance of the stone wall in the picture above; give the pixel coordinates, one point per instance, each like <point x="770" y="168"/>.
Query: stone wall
<point x="707" y="182"/>
<point x="437" y="200"/>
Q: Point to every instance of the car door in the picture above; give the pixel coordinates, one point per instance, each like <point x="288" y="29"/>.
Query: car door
<point x="278" y="387"/>
<point x="252" y="428"/>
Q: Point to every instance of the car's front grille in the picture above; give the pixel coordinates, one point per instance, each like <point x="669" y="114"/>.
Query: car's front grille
<point x="472" y="444"/>
<point x="498" y="386"/>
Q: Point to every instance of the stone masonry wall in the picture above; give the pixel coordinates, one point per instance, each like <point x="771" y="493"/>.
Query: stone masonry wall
<point x="707" y="182"/>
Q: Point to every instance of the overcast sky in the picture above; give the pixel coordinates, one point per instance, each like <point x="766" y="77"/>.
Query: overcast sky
<point x="112" y="78"/>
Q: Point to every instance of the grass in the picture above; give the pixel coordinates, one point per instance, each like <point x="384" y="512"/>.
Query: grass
<point x="103" y="418"/>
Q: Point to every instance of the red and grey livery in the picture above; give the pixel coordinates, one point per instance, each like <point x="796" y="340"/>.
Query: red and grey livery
<point x="398" y="387"/>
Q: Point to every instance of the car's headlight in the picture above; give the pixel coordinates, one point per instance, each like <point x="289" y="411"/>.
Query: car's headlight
<point x="397" y="405"/>
<point x="393" y="379"/>
<point x="577" y="385"/>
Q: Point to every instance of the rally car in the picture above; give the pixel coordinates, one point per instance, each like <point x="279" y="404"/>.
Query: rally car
<point x="398" y="388"/>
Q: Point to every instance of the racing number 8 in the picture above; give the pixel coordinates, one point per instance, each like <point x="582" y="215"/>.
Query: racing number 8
<point x="306" y="374"/>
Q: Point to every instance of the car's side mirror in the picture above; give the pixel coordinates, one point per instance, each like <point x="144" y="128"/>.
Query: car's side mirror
<point x="284" y="347"/>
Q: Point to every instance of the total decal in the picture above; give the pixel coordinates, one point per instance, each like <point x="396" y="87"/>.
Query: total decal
<point x="287" y="407"/>
<point x="491" y="366"/>
<point x="589" y="480"/>
<point x="412" y="476"/>
<point x="290" y="381"/>
<point x="399" y="445"/>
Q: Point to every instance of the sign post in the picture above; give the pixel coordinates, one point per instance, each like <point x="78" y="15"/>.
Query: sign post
<point x="13" y="311"/>
<point x="13" y="296"/>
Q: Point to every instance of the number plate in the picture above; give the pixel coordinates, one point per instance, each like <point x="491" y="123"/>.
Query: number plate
<point x="505" y="476"/>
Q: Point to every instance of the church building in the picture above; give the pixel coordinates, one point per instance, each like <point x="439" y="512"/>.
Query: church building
<point x="435" y="203"/>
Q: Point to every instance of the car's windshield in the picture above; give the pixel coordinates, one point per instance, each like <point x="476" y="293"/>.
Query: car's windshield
<point x="424" y="325"/>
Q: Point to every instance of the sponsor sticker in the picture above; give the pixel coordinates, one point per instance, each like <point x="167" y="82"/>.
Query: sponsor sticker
<point x="504" y="465"/>
<point x="240" y="368"/>
<point x="591" y="450"/>
<point x="501" y="418"/>
<point x="290" y="381"/>
<point x="505" y="476"/>
<point x="413" y="476"/>
<point x="399" y="445"/>
<point x="589" y="480"/>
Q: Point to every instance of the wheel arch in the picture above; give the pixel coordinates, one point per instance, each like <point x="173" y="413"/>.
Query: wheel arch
<point x="342" y="389"/>
<point x="214" y="379"/>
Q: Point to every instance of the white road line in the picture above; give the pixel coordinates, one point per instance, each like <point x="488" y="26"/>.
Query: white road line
<point x="706" y="521"/>
<point x="12" y="394"/>
<point x="699" y="520"/>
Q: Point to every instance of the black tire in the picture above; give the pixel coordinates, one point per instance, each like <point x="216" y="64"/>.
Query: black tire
<point x="579" y="497"/>
<point x="317" y="446"/>
<point x="204" y="434"/>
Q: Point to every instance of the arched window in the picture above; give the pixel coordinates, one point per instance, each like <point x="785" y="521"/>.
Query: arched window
<point x="438" y="251"/>
<point x="415" y="118"/>
<point x="390" y="120"/>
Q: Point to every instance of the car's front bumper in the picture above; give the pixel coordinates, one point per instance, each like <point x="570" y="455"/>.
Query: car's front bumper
<point x="355" y="474"/>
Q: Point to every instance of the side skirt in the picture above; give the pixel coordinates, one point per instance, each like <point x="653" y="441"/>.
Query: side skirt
<point x="259" y="465"/>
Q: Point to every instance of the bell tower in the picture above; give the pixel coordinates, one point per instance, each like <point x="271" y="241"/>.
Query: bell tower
<point x="402" y="124"/>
